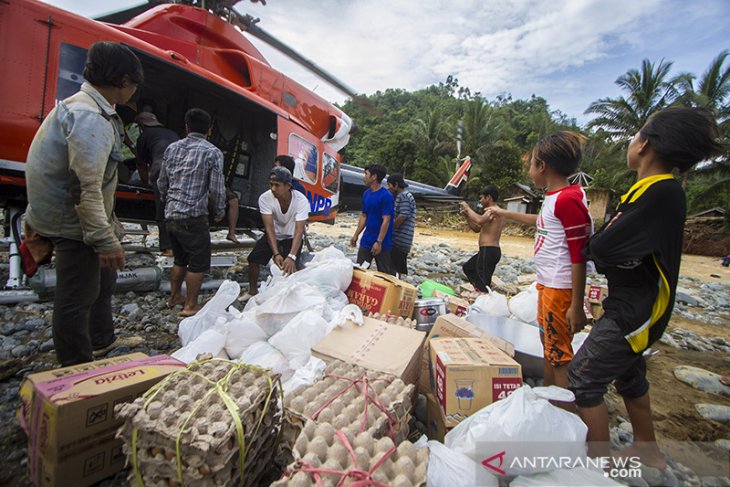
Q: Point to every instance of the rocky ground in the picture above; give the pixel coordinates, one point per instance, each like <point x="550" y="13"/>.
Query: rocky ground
<point x="692" y="415"/>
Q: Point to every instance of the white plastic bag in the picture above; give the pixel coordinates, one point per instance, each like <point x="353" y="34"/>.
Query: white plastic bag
<point x="264" y="355"/>
<point x="298" y="336"/>
<point x="524" y="425"/>
<point x="330" y="271"/>
<point x="242" y="332"/>
<point x="492" y="303"/>
<point x="283" y="303"/>
<point x="579" y="476"/>
<point x="305" y="376"/>
<point x="192" y="326"/>
<point x="449" y="468"/>
<point x="523" y="305"/>
<point x="351" y="312"/>
<point x="210" y="341"/>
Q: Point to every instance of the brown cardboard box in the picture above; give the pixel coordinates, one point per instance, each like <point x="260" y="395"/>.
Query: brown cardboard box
<point x="376" y="292"/>
<point x="68" y="415"/>
<point x="376" y="346"/>
<point x="451" y="326"/>
<point x="456" y="305"/>
<point x="471" y="373"/>
<point x="594" y="300"/>
<point x="435" y="420"/>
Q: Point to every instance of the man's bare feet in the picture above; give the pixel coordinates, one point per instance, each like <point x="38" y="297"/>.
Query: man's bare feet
<point x="174" y="301"/>
<point x="648" y="453"/>
<point x="167" y="253"/>
<point x="190" y="311"/>
<point x="232" y="237"/>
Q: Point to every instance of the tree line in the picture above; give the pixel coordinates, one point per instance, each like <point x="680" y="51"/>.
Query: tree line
<point x="415" y="133"/>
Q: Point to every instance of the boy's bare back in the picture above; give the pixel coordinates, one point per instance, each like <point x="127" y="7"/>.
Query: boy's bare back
<point x="491" y="231"/>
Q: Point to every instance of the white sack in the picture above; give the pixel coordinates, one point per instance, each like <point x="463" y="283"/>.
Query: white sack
<point x="305" y="376"/>
<point x="579" y="476"/>
<point x="449" y="468"/>
<point x="523" y="305"/>
<point x="330" y="271"/>
<point x="264" y="355"/>
<point x="192" y="326"/>
<point x="492" y="303"/>
<point x="298" y="336"/>
<point x="524" y="425"/>
<point x="210" y="341"/>
<point x="242" y="332"/>
<point x="284" y="302"/>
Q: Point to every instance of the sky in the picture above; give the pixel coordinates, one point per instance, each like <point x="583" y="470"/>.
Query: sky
<point x="569" y="52"/>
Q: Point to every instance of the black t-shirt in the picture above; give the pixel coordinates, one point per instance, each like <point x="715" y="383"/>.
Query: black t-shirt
<point x="151" y="146"/>
<point x="640" y="253"/>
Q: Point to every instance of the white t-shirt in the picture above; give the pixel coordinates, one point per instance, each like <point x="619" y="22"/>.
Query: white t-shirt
<point x="285" y="223"/>
<point x="563" y="229"/>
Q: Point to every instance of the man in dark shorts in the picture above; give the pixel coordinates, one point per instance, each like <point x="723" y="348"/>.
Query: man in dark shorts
<point x="404" y="224"/>
<point x="480" y="267"/>
<point x="191" y="173"/>
<point x="284" y="212"/>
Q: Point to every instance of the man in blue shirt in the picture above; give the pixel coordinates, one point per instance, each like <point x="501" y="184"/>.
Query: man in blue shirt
<point x="377" y="221"/>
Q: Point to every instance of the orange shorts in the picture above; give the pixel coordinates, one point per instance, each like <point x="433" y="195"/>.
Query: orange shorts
<point x="552" y="306"/>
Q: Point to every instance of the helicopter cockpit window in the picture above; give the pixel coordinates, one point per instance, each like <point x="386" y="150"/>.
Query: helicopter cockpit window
<point x="306" y="158"/>
<point x="70" y="69"/>
<point x="330" y="173"/>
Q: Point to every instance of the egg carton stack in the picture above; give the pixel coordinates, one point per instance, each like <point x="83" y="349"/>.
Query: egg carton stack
<point x="395" y="320"/>
<point x="352" y="399"/>
<point x="197" y="406"/>
<point x="328" y="457"/>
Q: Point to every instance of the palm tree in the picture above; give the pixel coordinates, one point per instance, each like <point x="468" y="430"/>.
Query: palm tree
<point x="430" y="136"/>
<point x="713" y="88"/>
<point x="649" y="90"/>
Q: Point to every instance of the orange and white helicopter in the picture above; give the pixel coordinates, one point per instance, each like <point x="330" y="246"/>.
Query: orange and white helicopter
<point x="192" y="57"/>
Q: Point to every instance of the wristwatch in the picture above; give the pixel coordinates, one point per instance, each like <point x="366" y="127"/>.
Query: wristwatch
<point x="292" y="257"/>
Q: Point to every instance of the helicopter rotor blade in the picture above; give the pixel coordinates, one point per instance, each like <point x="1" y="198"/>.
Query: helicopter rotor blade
<point x="248" y="24"/>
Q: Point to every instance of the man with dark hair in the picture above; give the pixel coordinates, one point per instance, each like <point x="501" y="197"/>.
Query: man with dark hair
<point x="404" y="224"/>
<point x="151" y="146"/>
<point x="639" y="251"/>
<point x="480" y="267"/>
<point x="377" y="221"/>
<point x="191" y="175"/>
<point x="72" y="175"/>
<point x="285" y="213"/>
<point x="288" y="162"/>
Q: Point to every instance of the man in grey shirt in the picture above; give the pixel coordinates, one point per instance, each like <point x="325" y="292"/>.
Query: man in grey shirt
<point x="72" y="175"/>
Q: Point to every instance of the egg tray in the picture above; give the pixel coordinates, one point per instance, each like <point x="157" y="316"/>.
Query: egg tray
<point x="330" y="458"/>
<point x="394" y="320"/>
<point x="193" y="407"/>
<point x="339" y="399"/>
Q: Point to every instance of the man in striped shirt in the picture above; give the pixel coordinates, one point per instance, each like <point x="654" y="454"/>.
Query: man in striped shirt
<point x="404" y="224"/>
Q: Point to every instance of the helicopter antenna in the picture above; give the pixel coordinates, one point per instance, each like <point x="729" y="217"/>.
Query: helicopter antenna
<point x="459" y="129"/>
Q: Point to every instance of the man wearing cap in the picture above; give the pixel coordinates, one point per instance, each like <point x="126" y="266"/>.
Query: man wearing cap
<point x="151" y="146"/>
<point x="404" y="224"/>
<point x="285" y="214"/>
<point x="191" y="174"/>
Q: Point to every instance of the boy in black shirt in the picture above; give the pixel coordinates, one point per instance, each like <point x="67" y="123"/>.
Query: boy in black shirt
<point x="639" y="251"/>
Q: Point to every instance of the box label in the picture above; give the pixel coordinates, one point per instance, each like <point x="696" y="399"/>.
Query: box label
<point x="502" y="387"/>
<point x="368" y="297"/>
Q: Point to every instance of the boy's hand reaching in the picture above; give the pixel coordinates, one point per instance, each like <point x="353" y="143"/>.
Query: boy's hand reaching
<point x="494" y="211"/>
<point x="575" y="318"/>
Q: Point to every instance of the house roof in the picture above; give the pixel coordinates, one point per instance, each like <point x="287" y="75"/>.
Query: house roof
<point x="526" y="189"/>
<point x="716" y="211"/>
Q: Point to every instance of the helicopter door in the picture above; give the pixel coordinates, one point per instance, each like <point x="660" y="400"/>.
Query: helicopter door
<point x="309" y="154"/>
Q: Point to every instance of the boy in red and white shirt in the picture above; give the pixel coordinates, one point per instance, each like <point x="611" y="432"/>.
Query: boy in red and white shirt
<point x="563" y="229"/>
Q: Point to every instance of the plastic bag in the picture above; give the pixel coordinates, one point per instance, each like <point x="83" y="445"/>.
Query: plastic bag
<point x="283" y="303"/>
<point x="351" y="312"/>
<point x="524" y="425"/>
<point x="576" y="476"/>
<point x="449" y="468"/>
<point x="523" y="305"/>
<point x="492" y="303"/>
<point x="330" y="271"/>
<point x="193" y="326"/>
<point x="264" y="355"/>
<point x="210" y="341"/>
<point x="241" y="333"/>
<point x="305" y="376"/>
<point x="298" y="336"/>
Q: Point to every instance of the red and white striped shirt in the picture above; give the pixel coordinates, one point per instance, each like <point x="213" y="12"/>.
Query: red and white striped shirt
<point x="563" y="229"/>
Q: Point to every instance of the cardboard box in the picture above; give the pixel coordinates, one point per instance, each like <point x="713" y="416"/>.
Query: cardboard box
<point x="451" y="326"/>
<point x="471" y="373"/>
<point x="376" y="292"/>
<point x="594" y="301"/>
<point x="435" y="420"/>
<point x="68" y="415"/>
<point x="456" y="305"/>
<point x="376" y="346"/>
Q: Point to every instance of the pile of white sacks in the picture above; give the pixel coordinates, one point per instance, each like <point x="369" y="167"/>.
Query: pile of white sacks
<point x="279" y="326"/>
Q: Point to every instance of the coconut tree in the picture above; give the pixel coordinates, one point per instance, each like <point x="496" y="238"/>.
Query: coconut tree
<point x="648" y="90"/>
<point x="713" y="87"/>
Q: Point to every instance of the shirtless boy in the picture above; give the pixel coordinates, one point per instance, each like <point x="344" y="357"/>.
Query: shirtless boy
<point x="480" y="267"/>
